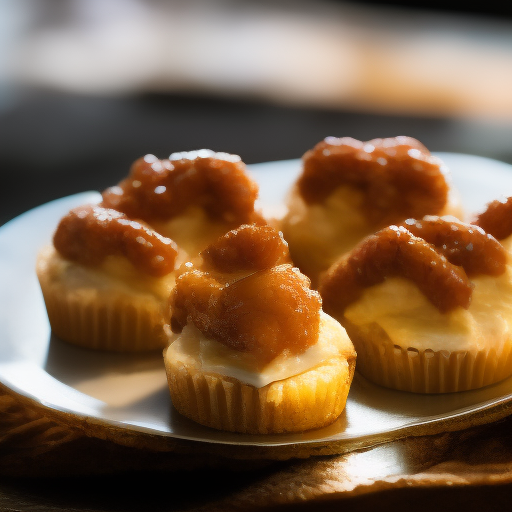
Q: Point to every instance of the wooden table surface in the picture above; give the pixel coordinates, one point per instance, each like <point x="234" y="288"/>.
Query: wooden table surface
<point x="46" y="465"/>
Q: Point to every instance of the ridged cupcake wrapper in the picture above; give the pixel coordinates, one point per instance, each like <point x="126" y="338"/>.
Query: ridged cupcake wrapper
<point x="111" y="323"/>
<point x="429" y="371"/>
<point x="310" y="400"/>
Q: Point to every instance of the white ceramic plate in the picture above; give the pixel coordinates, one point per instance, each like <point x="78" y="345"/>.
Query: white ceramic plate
<point x="130" y="391"/>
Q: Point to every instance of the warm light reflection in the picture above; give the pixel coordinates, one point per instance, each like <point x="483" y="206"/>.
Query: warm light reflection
<point x="120" y="389"/>
<point x="378" y="463"/>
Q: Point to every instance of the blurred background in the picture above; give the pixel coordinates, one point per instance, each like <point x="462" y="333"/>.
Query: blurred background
<point x="88" y="86"/>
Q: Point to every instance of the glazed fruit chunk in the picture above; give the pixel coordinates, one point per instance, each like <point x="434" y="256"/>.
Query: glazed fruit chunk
<point x="395" y="251"/>
<point x="249" y="247"/>
<point x="497" y="218"/>
<point x="266" y="310"/>
<point x="88" y="234"/>
<point x="463" y="244"/>
<point x="162" y="189"/>
<point x="398" y="176"/>
<point x="436" y="253"/>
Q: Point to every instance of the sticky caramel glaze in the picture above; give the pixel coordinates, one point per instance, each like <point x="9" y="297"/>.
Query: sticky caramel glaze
<point x="268" y="310"/>
<point x="88" y="234"/>
<point x="497" y="218"/>
<point x="162" y="189"/>
<point x="248" y="248"/>
<point x="398" y="176"/>
<point x="462" y="244"/>
<point x="395" y="251"/>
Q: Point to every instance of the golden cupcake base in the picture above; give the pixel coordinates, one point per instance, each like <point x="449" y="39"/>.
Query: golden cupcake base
<point x="310" y="400"/>
<point x="102" y="319"/>
<point x="426" y="371"/>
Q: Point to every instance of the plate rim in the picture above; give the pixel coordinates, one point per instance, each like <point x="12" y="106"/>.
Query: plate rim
<point x="253" y="168"/>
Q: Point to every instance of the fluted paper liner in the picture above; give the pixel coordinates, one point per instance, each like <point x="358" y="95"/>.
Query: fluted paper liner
<point x="427" y="371"/>
<point x="312" y="399"/>
<point x="103" y="320"/>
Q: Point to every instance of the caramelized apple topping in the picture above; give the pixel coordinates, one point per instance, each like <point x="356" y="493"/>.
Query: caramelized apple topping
<point x="88" y="234"/>
<point x="463" y="244"/>
<point x="268" y="310"/>
<point x="162" y="189"/>
<point x="398" y="177"/>
<point x="247" y="248"/>
<point x="497" y="218"/>
<point x="395" y="251"/>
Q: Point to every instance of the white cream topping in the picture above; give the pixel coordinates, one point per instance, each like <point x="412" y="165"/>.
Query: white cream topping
<point x="115" y="274"/>
<point x="193" y="349"/>
<point x="192" y="230"/>
<point x="325" y="231"/>
<point x="319" y="234"/>
<point x="411" y="320"/>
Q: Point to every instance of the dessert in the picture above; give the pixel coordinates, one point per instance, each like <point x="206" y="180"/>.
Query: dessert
<point x="106" y="280"/>
<point x="251" y="349"/>
<point x="427" y="304"/>
<point x="349" y="189"/>
<point x="191" y="197"/>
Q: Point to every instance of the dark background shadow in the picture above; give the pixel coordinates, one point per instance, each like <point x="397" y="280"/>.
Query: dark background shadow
<point x="56" y="144"/>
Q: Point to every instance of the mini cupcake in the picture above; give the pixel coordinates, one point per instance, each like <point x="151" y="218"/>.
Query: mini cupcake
<point x="251" y="349"/>
<point x="191" y="197"/>
<point x="349" y="189"/>
<point x="106" y="281"/>
<point x="428" y="306"/>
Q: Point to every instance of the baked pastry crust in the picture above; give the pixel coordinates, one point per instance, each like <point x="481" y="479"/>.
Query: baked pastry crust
<point x="424" y="370"/>
<point x="311" y="399"/>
